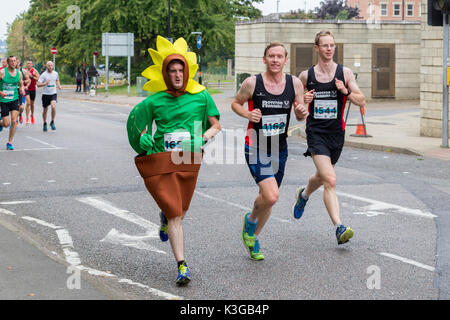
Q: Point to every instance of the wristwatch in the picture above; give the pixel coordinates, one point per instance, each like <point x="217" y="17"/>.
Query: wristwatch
<point x="348" y="93"/>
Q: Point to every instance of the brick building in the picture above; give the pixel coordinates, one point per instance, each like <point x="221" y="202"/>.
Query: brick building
<point x="389" y="10"/>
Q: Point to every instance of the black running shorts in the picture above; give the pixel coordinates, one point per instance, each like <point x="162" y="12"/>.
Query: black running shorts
<point x="7" y="107"/>
<point x="47" y="99"/>
<point x="325" y="144"/>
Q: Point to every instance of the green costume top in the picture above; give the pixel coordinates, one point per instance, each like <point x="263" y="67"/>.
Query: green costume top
<point x="180" y="115"/>
<point x="9" y="85"/>
<point x="176" y="118"/>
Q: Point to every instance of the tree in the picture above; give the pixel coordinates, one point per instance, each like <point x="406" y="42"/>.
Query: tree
<point x="335" y="9"/>
<point x="300" y="14"/>
<point x="146" y="19"/>
<point x="19" y="42"/>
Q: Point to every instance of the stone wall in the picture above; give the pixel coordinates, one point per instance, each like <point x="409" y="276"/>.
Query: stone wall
<point x="430" y="78"/>
<point x="357" y="38"/>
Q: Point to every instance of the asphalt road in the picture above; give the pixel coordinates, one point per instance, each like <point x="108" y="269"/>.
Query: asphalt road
<point x="78" y="192"/>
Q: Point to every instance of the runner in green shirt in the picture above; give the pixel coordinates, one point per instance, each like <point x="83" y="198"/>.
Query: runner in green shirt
<point x="10" y="81"/>
<point x="186" y="117"/>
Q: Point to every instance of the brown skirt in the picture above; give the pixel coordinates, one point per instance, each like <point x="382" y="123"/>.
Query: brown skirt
<point x="171" y="185"/>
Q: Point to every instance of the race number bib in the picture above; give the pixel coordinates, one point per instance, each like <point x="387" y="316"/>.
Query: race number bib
<point x="274" y="124"/>
<point x="173" y="140"/>
<point x="325" y="109"/>
<point x="9" y="94"/>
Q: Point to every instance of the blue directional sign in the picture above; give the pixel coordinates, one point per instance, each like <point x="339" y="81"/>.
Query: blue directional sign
<point x="199" y="42"/>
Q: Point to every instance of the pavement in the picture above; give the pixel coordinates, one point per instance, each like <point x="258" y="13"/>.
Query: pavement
<point x="27" y="273"/>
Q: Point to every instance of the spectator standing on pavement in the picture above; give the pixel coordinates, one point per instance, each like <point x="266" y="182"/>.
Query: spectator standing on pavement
<point x="329" y="87"/>
<point x="11" y="83"/>
<point x="270" y="97"/>
<point x="49" y="80"/>
<point x="78" y="78"/>
<point x="186" y="117"/>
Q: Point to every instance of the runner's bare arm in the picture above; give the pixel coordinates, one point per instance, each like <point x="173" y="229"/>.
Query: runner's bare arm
<point x="243" y="95"/>
<point x="309" y="95"/>
<point x="2" y="74"/>
<point x="356" y="97"/>
<point x="299" y="108"/>
<point x="21" y="86"/>
<point x="214" y="129"/>
<point x="58" y="84"/>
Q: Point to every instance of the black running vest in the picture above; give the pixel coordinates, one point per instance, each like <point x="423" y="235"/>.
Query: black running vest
<point x="326" y="111"/>
<point x="276" y="113"/>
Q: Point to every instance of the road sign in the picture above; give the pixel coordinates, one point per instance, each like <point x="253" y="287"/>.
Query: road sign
<point x="54" y="51"/>
<point x="199" y="41"/>
<point x="96" y="53"/>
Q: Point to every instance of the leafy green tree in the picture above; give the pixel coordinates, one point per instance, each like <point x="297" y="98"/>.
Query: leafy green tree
<point x="335" y="9"/>
<point x="48" y="22"/>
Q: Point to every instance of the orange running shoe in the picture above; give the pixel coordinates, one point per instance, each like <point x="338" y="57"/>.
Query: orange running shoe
<point x="20" y="119"/>
<point x="28" y="121"/>
<point x="32" y="120"/>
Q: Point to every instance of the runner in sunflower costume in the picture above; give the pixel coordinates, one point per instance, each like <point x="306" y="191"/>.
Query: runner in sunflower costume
<point x="169" y="158"/>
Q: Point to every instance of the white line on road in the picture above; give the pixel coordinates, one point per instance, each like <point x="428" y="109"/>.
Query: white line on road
<point x="409" y="261"/>
<point x="41" y="222"/>
<point x="17" y="202"/>
<point x="43" y="142"/>
<point x="222" y="200"/>
<point x="379" y="205"/>
<point x="7" y="212"/>
<point x="74" y="260"/>
<point x="33" y="149"/>
<point x="108" y="207"/>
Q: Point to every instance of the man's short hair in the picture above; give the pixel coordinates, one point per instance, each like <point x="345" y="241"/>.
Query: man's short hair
<point x="275" y="44"/>
<point x="321" y="34"/>
<point x="7" y="59"/>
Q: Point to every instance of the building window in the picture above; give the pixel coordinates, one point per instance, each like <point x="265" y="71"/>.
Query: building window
<point x="370" y="9"/>
<point x="384" y="9"/>
<point x="410" y="10"/>
<point x="397" y="9"/>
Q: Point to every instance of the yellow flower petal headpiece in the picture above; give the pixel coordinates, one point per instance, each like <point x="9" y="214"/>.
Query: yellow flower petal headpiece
<point x="165" y="49"/>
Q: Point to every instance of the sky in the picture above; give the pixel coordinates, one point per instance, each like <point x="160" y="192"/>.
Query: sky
<point x="270" y="6"/>
<point x="10" y="9"/>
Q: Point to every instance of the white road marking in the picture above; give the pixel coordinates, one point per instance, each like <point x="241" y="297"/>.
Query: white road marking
<point x="43" y="142"/>
<point x="41" y="222"/>
<point x="7" y="212"/>
<point x="108" y="207"/>
<point x="376" y="205"/>
<point x="51" y="181"/>
<point x="17" y="202"/>
<point x="409" y="261"/>
<point x="162" y="294"/>
<point x="6" y="183"/>
<point x="138" y="241"/>
<point x="74" y="260"/>
<point x="116" y="237"/>
<point x="222" y="200"/>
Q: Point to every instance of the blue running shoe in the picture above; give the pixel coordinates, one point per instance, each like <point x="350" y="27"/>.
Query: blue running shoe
<point x="299" y="206"/>
<point x="184" y="276"/>
<point x="52" y="125"/>
<point x="163" y="234"/>
<point x="45" y="127"/>
<point x="9" y="146"/>
<point x="343" y="234"/>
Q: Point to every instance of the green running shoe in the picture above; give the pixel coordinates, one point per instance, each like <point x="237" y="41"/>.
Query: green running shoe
<point x="249" y="239"/>
<point x="343" y="234"/>
<point x="184" y="276"/>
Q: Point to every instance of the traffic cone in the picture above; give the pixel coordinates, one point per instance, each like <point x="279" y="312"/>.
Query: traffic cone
<point x="361" y="130"/>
